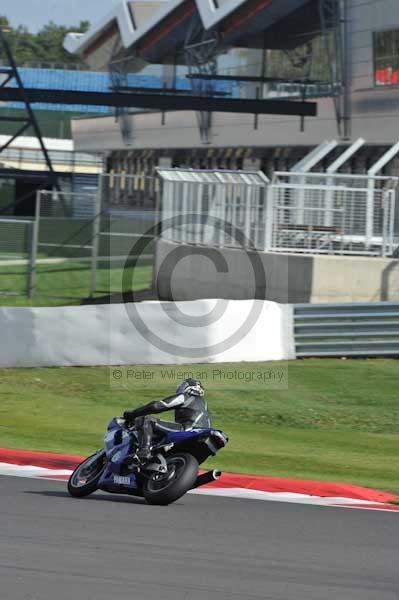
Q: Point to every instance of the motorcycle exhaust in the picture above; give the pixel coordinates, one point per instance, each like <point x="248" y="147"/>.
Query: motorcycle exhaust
<point x="207" y="478"/>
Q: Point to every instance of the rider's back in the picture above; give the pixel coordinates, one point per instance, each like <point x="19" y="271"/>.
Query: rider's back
<point x="193" y="413"/>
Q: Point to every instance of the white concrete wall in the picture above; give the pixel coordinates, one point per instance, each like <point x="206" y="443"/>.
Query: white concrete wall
<point x="146" y="333"/>
<point x="354" y="279"/>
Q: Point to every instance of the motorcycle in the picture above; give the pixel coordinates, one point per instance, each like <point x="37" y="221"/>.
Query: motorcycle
<point x="172" y="470"/>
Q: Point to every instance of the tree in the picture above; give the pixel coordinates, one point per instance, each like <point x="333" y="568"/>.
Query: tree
<point x="4" y="23"/>
<point x="45" y="47"/>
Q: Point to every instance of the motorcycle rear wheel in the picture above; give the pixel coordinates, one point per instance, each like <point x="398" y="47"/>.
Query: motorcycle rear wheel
<point x="165" y="488"/>
<point x="84" y="480"/>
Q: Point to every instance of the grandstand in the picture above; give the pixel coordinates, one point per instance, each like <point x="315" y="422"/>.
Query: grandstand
<point x="358" y="99"/>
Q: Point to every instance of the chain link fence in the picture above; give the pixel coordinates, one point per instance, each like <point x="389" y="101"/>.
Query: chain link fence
<point x="125" y="229"/>
<point x="82" y="244"/>
<point x="17" y="249"/>
<point x="65" y="241"/>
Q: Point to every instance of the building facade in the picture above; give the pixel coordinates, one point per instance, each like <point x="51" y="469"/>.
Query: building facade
<point x="274" y="142"/>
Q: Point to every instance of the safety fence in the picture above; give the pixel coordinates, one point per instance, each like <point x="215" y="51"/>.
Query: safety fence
<point x="297" y="212"/>
<point x="17" y="248"/>
<point x="98" y="234"/>
<point x="52" y="250"/>
<point x="347" y="329"/>
<point x="217" y="208"/>
<point x="83" y="243"/>
<point x="323" y="213"/>
<point x="124" y="231"/>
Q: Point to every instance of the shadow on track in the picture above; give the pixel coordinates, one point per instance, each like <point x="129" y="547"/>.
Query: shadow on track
<point x="102" y="498"/>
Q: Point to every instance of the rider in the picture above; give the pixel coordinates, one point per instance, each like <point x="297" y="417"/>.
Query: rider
<point x="191" y="411"/>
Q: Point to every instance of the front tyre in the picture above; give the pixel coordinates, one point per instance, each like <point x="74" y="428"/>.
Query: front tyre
<point x="85" y="478"/>
<point x="165" y="488"/>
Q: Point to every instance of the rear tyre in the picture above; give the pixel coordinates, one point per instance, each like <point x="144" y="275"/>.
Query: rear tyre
<point x="85" y="478"/>
<point x="165" y="488"/>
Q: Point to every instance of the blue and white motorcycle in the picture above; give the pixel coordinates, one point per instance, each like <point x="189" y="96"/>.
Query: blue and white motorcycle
<point x="171" y="472"/>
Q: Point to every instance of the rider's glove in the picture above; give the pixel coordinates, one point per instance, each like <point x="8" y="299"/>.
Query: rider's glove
<point x="129" y="416"/>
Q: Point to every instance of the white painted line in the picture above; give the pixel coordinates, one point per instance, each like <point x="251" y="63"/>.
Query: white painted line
<point x="280" y="496"/>
<point x="32" y="471"/>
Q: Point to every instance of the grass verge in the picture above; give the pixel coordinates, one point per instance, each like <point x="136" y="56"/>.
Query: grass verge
<point x="67" y="283"/>
<point x="326" y="419"/>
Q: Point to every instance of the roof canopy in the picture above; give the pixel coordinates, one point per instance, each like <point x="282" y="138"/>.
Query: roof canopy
<point x="155" y="31"/>
<point x="214" y="176"/>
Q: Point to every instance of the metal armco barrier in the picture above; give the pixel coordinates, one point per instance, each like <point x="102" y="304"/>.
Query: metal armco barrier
<point x="347" y="329"/>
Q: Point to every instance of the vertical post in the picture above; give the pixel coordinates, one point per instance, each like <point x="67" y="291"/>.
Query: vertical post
<point x="165" y="233"/>
<point x="185" y="235"/>
<point x="157" y="226"/>
<point x="392" y="220"/>
<point x="388" y="205"/>
<point x="233" y="202"/>
<point x="220" y="214"/>
<point x="260" y="214"/>
<point x="385" y="205"/>
<point x="269" y="191"/>
<point x="247" y="193"/>
<point x="370" y="211"/>
<point x="177" y="211"/>
<point x="98" y="199"/>
<point x="33" y="250"/>
<point x="199" y="212"/>
<point x="346" y="41"/>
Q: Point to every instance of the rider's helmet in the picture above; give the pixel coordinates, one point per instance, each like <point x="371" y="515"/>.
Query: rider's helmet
<point x="192" y="387"/>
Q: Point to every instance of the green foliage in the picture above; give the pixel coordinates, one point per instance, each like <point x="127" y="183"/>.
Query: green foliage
<point x="66" y="283"/>
<point x="52" y="123"/>
<point x="46" y="46"/>
<point x="307" y="61"/>
<point x="4" y="23"/>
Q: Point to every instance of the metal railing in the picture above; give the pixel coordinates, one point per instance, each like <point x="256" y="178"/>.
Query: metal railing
<point x="216" y="208"/>
<point x="124" y="228"/>
<point x="323" y="213"/>
<point x="316" y="213"/>
<point x="85" y="238"/>
<point x="66" y="161"/>
<point x="347" y="329"/>
<point x="17" y="255"/>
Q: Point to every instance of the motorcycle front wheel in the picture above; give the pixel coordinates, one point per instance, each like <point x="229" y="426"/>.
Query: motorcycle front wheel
<point x="165" y="488"/>
<point x="85" y="478"/>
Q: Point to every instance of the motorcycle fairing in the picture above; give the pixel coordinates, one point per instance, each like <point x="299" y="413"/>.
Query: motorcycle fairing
<point x="118" y="445"/>
<point x="201" y="443"/>
<point x="181" y="436"/>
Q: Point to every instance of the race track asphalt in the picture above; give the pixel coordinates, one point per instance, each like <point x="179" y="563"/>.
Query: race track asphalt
<point x="53" y="547"/>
